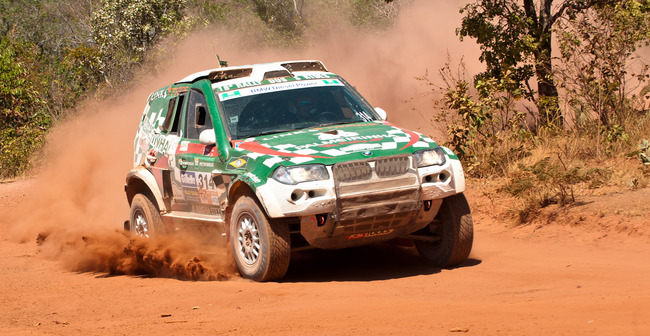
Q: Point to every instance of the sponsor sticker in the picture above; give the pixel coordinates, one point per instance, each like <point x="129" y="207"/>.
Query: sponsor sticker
<point x="184" y="145"/>
<point x="370" y="234"/>
<point x="360" y="147"/>
<point x="188" y="179"/>
<point x="206" y="209"/>
<point x="253" y="177"/>
<point x="223" y="96"/>
<point x="158" y="94"/>
<point x="237" y="163"/>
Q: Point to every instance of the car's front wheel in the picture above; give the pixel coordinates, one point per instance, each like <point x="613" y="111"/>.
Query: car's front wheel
<point x="259" y="245"/>
<point x="453" y="233"/>
<point x="145" y="219"/>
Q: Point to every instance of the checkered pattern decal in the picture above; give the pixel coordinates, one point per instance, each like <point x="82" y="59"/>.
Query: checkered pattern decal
<point x="332" y="143"/>
<point x="222" y="183"/>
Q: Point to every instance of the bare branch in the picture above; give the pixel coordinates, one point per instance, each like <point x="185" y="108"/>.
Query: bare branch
<point x="576" y="5"/>
<point x="298" y="12"/>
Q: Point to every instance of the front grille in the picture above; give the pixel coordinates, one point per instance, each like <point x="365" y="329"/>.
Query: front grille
<point x="353" y="171"/>
<point x="392" y="166"/>
<point x="376" y="187"/>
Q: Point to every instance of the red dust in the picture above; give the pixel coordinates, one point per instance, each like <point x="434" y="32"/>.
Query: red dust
<point x="120" y="253"/>
<point x="79" y="191"/>
<point x="566" y="277"/>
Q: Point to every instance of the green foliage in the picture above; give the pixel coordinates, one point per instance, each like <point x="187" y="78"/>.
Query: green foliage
<point x="644" y="152"/>
<point x="22" y="118"/>
<point x="126" y="29"/>
<point x="613" y="134"/>
<point x="374" y="13"/>
<point x="55" y="53"/>
<point x="503" y="33"/>
<point x="211" y="11"/>
<point x="18" y="145"/>
<point x="483" y="126"/>
<point x="515" y="39"/>
<point x="78" y="72"/>
<point x="601" y="68"/>
<point x="282" y="15"/>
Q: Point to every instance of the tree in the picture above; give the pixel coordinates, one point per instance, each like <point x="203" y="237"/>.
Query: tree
<point x="516" y="38"/>
<point x="23" y="120"/>
<point x="282" y="15"/>
<point x="126" y="29"/>
<point x="375" y="13"/>
<point x="600" y="68"/>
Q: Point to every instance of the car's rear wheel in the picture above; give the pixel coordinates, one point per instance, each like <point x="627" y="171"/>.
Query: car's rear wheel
<point x="145" y="219"/>
<point x="259" y="245"/>
<point x="453" y="230"/>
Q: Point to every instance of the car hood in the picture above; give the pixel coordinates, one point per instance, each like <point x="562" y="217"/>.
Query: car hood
<point x="326" y="145"/>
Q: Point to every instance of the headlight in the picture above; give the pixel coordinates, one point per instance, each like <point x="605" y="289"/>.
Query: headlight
<point x="430" y="157"/>
<point x="298" y="174"/>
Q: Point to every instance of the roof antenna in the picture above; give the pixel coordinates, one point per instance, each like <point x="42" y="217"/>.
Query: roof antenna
<point x="222" y="64"/>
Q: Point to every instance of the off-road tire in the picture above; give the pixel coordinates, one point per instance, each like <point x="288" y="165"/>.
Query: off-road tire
<point x="261" y="246"/>
<point x="455" y="228"/>
<point x="145" y="218"/>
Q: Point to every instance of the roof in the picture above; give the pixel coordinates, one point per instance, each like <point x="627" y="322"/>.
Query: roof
<point x="256" y="72"/>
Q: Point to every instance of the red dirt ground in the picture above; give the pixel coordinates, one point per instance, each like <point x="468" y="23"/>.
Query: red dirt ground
<point x="574" y="278"/>
<point x="581" y="271"/>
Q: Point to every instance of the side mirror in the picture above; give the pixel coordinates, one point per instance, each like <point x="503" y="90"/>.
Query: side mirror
<point x="382" y="113"/>
<point x="207" y="137"/>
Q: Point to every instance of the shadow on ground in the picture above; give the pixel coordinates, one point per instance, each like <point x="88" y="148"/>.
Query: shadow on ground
<point x="366" y="263"/>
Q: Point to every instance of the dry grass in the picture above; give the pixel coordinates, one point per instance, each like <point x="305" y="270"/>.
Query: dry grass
<point x="559" y="169"/>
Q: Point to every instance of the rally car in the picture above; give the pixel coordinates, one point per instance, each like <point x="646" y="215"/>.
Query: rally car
<point x="287" y="156"/>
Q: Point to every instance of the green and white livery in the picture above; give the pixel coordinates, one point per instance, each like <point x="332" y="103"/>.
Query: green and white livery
<point x="287" y="156"/>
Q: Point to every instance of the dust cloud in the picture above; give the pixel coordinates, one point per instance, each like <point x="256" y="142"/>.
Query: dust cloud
<point x="120" y="253"/>
<point x="77" y="203"/>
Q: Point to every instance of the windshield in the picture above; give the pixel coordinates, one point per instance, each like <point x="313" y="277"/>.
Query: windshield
<point x="292" y="105"/>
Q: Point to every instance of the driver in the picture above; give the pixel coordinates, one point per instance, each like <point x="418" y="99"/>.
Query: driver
<point x="305" y="108"/>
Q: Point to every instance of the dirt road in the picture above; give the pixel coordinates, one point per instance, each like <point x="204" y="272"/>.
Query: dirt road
<point x="524" y="285"/>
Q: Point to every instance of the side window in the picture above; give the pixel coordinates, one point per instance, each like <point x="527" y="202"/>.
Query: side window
<point x="177" y="113"/>
<point x="170" y="114"/>
<point x="197" y="117"/>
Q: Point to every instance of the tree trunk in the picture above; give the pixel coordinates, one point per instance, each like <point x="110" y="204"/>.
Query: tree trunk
<point x="548" y="104"/>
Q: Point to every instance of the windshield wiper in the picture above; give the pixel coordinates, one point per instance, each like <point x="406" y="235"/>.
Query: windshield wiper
<point x="339" y="123"/>
<point x="270" y="132"/>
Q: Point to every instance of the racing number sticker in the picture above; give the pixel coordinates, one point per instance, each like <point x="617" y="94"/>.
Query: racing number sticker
<point x="205" y="182"/>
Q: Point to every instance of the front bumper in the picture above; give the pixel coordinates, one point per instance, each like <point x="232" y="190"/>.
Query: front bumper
<point x="387" y="198"/>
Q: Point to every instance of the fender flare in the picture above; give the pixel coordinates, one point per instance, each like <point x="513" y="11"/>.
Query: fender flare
<point x="240" y="183"/>
<point x="138" y="175"/>
<point x="457" y="170"/>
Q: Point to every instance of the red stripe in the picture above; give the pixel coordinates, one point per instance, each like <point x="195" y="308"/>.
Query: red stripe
<point x="414" y="136"/>
<point x="253" y="146"/>
<point x="194" y="148"/>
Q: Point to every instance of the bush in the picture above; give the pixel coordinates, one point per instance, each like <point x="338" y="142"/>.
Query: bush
<point x="23" y="118"/>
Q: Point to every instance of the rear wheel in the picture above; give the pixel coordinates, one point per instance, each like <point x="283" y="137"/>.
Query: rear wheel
<point x="259" y="245"/>
<point x="454" y="230"/>
<point x="145" y="219"/>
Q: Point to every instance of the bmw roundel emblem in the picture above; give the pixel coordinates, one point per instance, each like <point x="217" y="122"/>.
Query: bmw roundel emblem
<point x="366" y="153"/>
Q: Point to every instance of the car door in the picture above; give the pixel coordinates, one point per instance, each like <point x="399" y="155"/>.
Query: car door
<point x="195" y="162"/>
<point x="172" y="191"/>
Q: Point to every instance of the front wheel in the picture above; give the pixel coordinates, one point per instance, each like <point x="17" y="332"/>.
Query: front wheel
<point x="259" y="245"/>
<point x="454" y="231"/>
<point x="145" y="218"/>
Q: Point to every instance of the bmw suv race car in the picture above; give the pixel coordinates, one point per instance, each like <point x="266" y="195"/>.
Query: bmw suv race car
<point x="287" y="156"/>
